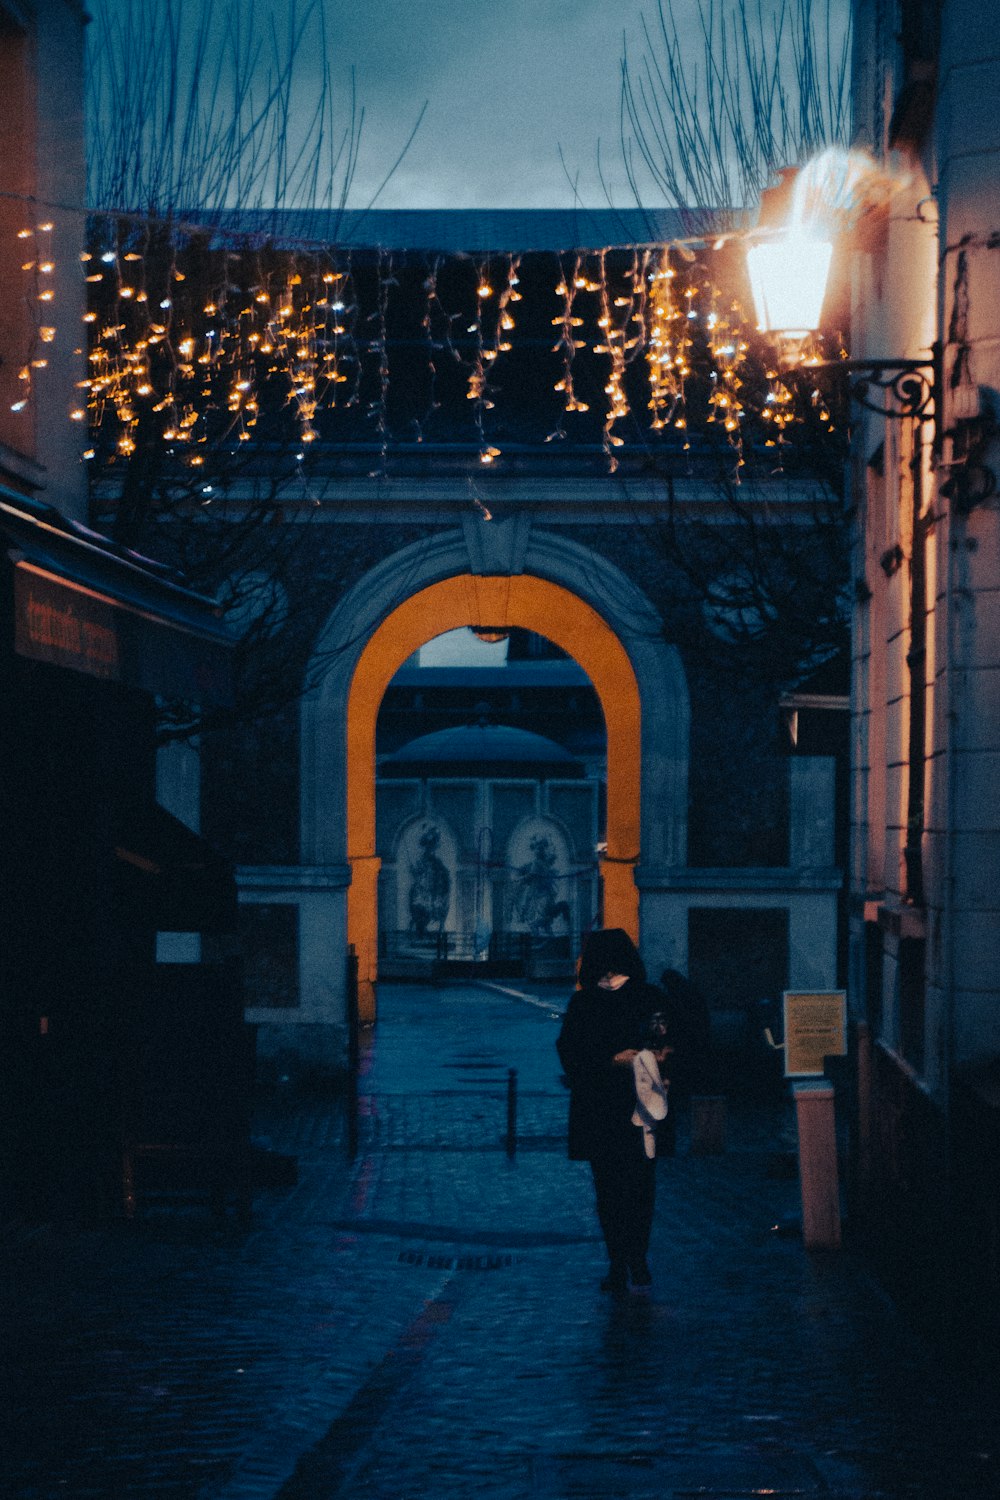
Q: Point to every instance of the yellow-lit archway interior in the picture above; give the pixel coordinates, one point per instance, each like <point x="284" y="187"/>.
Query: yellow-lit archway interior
<point x="533" y="604"/>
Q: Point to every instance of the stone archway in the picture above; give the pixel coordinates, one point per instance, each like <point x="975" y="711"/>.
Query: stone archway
<point x="535" y="604"/>
<point x="555" y="587"/>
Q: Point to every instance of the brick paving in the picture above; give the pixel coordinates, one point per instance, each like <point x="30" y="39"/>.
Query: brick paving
<point x="424" y="1321"/>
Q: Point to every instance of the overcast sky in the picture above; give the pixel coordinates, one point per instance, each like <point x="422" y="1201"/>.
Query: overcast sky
<point x="507" y="82"/>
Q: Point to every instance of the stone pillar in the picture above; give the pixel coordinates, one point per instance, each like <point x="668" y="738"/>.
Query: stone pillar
<point x="621" y="899"/>
<point x="362" y="896"/>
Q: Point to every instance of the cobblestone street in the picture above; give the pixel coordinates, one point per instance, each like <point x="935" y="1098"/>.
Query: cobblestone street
<point x="425" y="1320"/>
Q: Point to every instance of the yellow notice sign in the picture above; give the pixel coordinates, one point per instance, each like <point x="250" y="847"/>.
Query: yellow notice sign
<point x="815" y="1028"/>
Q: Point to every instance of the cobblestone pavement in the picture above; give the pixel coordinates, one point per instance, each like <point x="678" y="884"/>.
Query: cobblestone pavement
<point x="424" y="1321"/>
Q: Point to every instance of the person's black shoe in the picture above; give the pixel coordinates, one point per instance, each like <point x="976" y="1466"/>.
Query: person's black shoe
<point x="615" y="1282"/>
<point x="640" y="1275"/>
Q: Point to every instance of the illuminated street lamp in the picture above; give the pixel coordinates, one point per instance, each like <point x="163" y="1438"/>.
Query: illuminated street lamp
<point x="788" y="276"/>
<point x="788" y="262"/>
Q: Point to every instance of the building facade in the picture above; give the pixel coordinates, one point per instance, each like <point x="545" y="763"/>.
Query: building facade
<point x="716" y="839"/>
<point x="925" y="945"/>
<point x="92" y="635"/>
<point x="42" y="199"/>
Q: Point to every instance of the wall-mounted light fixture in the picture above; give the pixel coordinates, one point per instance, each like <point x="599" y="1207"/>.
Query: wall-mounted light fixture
<point x="789" y="262"/>
<point x="789" y="267"/>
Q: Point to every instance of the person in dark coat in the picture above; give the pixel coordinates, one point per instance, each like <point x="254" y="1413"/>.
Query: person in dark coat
<point x="608" y="1022"/>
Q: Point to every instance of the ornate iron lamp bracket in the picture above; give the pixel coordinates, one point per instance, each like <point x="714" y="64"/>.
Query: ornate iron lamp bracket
<point x="907" y="389"/>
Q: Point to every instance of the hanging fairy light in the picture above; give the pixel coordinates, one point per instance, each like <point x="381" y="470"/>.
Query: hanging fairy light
<point x="476" y="383"/>
<point x="499" y="344"/>
<point x="378" y="409"/>
<point x="614" y="331"/>
<point x="568" y="343"/>
<point x="204" y="336"/>
<point x="668" y="346"/>
<point x="431" y="346"/>
<point x="490" y="341"/>
<point x="728" y="346"/>
<point x="40" y="267"/>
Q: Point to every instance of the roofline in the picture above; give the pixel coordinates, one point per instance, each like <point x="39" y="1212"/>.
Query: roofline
<point x="489" y="230"/>
<point x="131" y="580"/>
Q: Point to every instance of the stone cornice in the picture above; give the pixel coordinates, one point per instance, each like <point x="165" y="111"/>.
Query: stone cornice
<point x="602" y="500"/>
<point x="745" y="881"/>
<point x="269" y="878"/>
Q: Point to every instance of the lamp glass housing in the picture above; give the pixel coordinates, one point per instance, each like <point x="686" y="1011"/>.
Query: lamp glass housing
<point x="788" y="279"/>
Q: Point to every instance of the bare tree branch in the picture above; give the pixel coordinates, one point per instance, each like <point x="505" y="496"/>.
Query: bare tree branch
<point x="765" y="87"/>
<point x="196" y="108"/>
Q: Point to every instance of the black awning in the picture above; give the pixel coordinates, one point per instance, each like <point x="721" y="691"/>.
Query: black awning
<point x="82" y="603"/>
<point x="172" y="875"/>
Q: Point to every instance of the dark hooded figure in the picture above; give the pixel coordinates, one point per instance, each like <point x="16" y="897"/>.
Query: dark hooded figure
<point x="608" y="1022"/>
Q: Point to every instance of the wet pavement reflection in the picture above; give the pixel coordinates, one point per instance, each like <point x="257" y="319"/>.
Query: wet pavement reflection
<point x="423" y="1319"/>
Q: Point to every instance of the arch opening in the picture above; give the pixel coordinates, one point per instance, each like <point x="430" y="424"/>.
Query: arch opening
<point x="489" y="602"/>
<point x="490" y="818"/>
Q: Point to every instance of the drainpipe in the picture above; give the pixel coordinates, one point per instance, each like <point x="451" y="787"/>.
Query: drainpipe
<point x="950" y="555"/>
<point x="916" y="660"/>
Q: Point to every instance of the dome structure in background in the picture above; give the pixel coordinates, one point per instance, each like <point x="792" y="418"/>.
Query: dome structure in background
<point x="481" y="750"/>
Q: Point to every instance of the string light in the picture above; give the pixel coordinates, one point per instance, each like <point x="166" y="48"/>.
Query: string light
<point x="728" y="345"/>
<point x="41" y="333"/>
<point x="568" y="343"/>
<point x="615" y="338"/>
<point x="378" y="409"/>
<point x="204" y="337"/>
<point x="668" y="347"/>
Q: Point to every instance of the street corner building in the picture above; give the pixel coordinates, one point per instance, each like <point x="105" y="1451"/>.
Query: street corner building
<point x="924" y="975"/>
<point x="93" y="636"/>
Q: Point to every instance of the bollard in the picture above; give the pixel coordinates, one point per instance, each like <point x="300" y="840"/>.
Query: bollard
<point x="818" y="1165"/>
<point x="708" y="1124"/>
<point x="511" y="1112"/>
<point x="353" y="1052"/>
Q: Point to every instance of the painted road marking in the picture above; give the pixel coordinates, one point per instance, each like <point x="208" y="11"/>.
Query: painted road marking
<point x="503" y="989"/>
